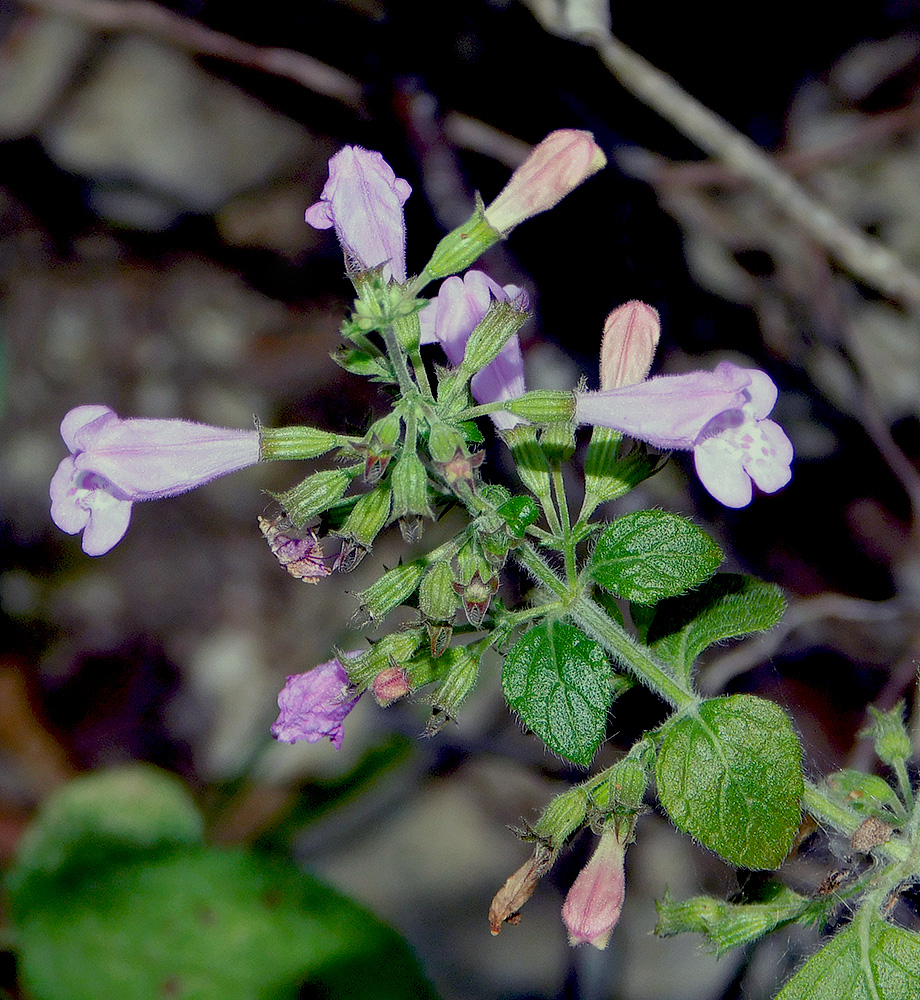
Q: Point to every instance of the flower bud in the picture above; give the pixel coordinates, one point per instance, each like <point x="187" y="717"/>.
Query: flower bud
<point x="394" y="648"/>
<point x="543" y="406"/>
<point x="295" y="442"/>
<point x="887" y="729"/>
<point x="631" y="335"/>
<point x="391" y="684"/>
<point x="315" y="494"/>
<point x="556" y="166"/>
<point x="592" y="906"/>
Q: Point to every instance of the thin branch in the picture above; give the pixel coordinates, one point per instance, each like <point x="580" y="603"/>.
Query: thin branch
<point x="868" y="259"/>
<point x="150" y="19"/>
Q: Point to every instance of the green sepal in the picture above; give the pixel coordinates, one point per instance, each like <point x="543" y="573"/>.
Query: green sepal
<point x="728" y="925"/>
<point x="410" y="488"/>
<point x="532" y="464"/>
<point x="315" y="494"/>
<point x="501" y="321"/>
<point x="391" y="590"/>
<point x="462" y="246"/>
<point x="278" y="443"/>
<point x="437" y="599"/>
<point x="368" y="517"/>
<point x="565" y="814"/>
<point x="543" y="406"/>
<point x="397" y="647"/>
<point x="652" y="554"/>
<point x="365" y="364"/>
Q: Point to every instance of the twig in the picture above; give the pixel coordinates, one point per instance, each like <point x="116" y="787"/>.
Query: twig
<point x="867" y="258"/>
<point x="150" y="19"/>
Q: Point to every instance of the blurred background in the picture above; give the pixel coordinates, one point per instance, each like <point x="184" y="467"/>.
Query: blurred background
<point x="155" y="164"/>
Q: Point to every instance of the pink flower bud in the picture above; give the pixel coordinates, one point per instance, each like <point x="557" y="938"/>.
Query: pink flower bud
<point x="391" y="684"/>
<point x="555" y="167"/>
<point x="593" y="905"/>
<point x="631" y="335"/>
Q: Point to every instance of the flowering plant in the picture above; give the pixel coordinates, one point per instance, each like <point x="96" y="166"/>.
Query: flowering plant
<point x="633" y="601"/>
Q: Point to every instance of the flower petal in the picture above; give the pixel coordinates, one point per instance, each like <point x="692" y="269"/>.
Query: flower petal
<point x="314" y="705"/>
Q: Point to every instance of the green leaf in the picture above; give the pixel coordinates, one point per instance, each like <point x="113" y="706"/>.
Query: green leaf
<point x="101" y="818"/>
<point x="202" y="923"/>
<point x="726" y="607"/>
<point x="558" y="680"/>
<point x="728" y="925"/>
<point x="651" y="554"/>
<point x="730" y="774"/>
<point x="360" y="362"/>
<point x="868" y="960"/>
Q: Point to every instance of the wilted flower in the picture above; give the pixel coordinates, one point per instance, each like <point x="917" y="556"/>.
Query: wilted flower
<point x="363" y="200"/>
<point x="451" y="317"/>
<point x="115" y="462"/>
<point x="592" y="906"/>
<point x="314" y="705"/>
<point x="298" y="550"/>
<point x="557" y="165"/>
<point x="631" y="335"/>
<point x="719" y="415"/>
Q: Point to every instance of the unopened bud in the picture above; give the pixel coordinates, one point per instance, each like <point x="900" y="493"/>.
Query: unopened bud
<point x="593" y="904"/>
<point x="631" y="335"/>
<point x="295" y="442"/>
<point x="394" y="648"/>
<point x="391" y="684"/>
<point x="314" y="494"/>
<point x="887" y="729"/>
<point x="556" y="166"/>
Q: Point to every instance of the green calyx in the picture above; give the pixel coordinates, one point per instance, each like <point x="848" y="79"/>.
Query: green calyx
<point x="462" y="246"/>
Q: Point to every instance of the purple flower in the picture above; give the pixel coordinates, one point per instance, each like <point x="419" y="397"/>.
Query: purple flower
<point x="718" y="415"/>
<point x="363" y="200"/>
<point x="114" y="462"/>
<point x="314" y="705"/>
<point x="593" y="904"/>
<point x="451" y="317"/>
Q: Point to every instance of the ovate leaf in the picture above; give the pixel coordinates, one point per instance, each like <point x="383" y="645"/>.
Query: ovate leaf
<point x="868" y="960"/>
<point x="651" y="554"/>
<point x="558" y="680"/>
<point x="730" y="774"/>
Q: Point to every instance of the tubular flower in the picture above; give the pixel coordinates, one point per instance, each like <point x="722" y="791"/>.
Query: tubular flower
<point x="314" y="705"/>
<point x="113" y="463"/>
<point x="557" y="165"/>
<point x="363" y="200"/>
<point x="451" y="317"/>
<point x="593" y="904"/>
<point x="719" y="416"/>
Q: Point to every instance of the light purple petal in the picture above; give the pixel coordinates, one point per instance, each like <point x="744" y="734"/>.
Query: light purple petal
<point x="670" y="411"/>
<point x="502" y="378"/>
<point x="85" y="502"/>
<point x="364" y="200"/>
<point x="314" y="705"/>
<point x="720" y="470"/>
<point x="108" y="521"/>
<point x="150" y="459"/>
<point x="80" y="417"/>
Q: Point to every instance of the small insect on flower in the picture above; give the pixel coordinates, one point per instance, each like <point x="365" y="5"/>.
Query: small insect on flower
<point x="298" y="551"/>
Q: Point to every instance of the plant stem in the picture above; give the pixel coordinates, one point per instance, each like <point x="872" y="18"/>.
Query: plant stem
<point x="635" y="657"/>
<point x="826" y="811"/>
